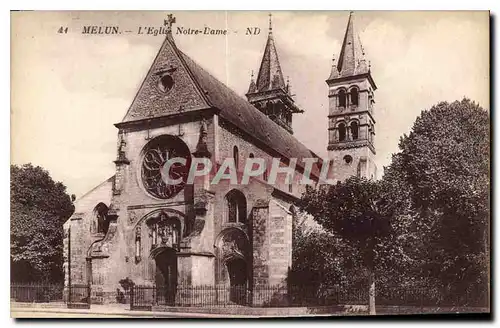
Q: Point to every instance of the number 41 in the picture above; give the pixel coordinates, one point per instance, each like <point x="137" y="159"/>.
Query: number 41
<point x="62" y="30"/>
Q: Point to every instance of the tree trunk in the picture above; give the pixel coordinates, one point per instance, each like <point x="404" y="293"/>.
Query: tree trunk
<point x="371" y="294"/>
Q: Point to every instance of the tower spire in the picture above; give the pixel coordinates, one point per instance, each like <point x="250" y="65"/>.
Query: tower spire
<point x="269" y="92"/>
<point x="351" y="127"/>
<point x="352" y="55"/>
<point x="270" y="76"/>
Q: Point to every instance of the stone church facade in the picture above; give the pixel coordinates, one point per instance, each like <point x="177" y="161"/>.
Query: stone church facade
<point x="201" y="234"/>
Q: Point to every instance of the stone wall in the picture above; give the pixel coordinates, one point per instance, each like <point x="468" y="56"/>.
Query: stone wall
<point x="114" y="255"/>
<point x="228" y="138"/>
<point x="362" y="163"/>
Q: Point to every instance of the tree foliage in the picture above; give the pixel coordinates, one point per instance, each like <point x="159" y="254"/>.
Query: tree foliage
<point x="355" y="212"/>
<point x="39" y="207"/>
<point x="443" y="171"/>
<point x="318" y="260"/>
<point x="426" y="223"/>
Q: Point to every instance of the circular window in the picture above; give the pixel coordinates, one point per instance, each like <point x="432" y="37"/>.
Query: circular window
<point x="348" y="159"/>
<point x="156" y="154"/>
<point x="166" y="83"/>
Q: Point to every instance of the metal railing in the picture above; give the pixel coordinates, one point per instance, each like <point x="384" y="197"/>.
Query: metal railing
<point x="145" y="297"/>
<point x="36" y="292"/>
<point x="79" y="296"/>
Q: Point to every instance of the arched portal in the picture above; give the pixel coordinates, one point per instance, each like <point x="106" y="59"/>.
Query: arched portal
<point x="166" y="275"/>
<point x="233" y="266"/>
<point x="237" y="269"/>
<point x="165" y="235"/>
<point x="238" y="279"/>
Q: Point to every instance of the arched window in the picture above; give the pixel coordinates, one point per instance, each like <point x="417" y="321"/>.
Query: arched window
<point x="270" y="110"/>
<point x="354" y="130"/>
<point x="342" y="98"/>
<point x="137" y="244"/>
<point x="236" y="157"/>
<point x="101" y="215"/>
<point x="236" y="206"/>
<point x="354" y="97"/>
<point x="251" y="155"/>
<point x="341" y="128"/>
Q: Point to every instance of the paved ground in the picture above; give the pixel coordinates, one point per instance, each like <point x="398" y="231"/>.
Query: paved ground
<point x="109" y="311"/>
<point x="29" y="310"/>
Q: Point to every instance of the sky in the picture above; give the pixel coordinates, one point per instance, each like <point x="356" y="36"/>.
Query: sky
<point x="68" y="89"/>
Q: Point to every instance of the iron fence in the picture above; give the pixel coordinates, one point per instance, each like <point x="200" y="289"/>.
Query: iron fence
<point x="429" y="297"/>
<point x="145" y="297"/>
<point x="79" y="297"/>
<point x="36" y="293"/>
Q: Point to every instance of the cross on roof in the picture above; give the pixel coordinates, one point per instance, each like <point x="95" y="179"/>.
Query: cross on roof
<point x="168" y="22"/>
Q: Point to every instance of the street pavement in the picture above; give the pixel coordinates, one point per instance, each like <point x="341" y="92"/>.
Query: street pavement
<point x="112" y="311"/>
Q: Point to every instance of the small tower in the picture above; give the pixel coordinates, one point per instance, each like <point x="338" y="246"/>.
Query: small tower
<point x="351" y="130"/>
<point x="270" y="94"/>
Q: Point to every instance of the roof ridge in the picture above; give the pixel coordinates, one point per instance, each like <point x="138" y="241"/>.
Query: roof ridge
<point x="110" y="179"/>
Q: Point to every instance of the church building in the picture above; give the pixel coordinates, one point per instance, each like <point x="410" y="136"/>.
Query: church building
<point x="136" y="226"/>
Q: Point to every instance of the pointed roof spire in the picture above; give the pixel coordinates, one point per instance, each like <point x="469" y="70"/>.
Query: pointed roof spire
<point x="270" y="75"/>
<point x="201" y="147"/>
<point x="252" y="88"/>
<point x="352" y="55"/>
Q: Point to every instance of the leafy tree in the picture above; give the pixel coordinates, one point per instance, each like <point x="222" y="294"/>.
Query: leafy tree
<point x="39" y="207"/>
<point x="442" y="171"/>
<point x="320" y="269"/>
<point x="356" y="212"/>
<point x="425" y="224"/>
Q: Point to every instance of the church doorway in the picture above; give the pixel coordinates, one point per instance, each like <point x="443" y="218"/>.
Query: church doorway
<point x="237" y="270"/>
<point x="233" y="263"/>
<point x="166" y="276"/>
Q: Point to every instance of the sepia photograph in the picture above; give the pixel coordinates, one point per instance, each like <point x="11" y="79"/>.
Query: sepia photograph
<point x="250" y="164"/>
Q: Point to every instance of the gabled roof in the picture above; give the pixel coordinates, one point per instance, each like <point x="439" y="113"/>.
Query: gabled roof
<point x="196" y="89"/>
<point x="183" y="96"/>
<point x="242" y="114"/>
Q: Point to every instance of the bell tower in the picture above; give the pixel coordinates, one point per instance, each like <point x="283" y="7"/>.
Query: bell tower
<point x="270" y="94"/>
<point x="351" y="127"/>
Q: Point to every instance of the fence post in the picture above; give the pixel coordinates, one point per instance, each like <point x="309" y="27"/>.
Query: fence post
<point x="89" y="293"/>
<point x="131" y="297"/>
